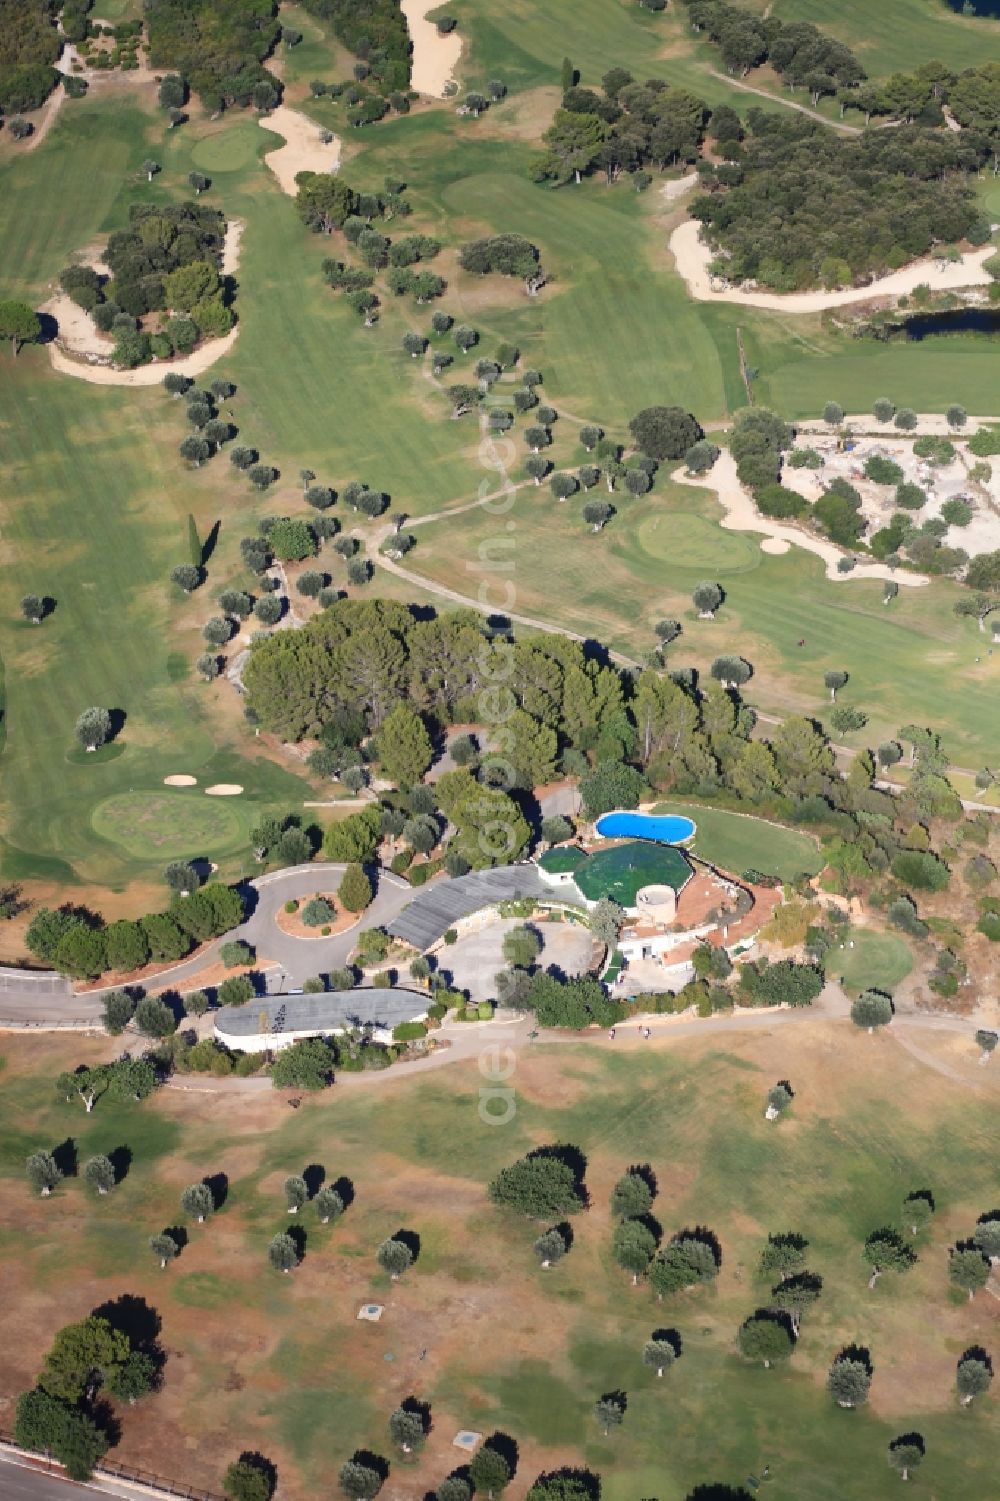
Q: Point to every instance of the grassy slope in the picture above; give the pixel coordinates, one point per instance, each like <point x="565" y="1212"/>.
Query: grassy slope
<point x="737" y="843"/>
<point x="913" y="660"/>
<point x="509" y="1346"/>
<point x="892" y="35"/>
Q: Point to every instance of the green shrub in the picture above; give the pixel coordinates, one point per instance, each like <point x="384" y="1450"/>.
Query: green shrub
<point x="437" y="1012"/>
<point x="291" y="905"/>
<point x="989" y="924"/>
<point x="485" y="1010"/>
<point x="409" y="1031"/>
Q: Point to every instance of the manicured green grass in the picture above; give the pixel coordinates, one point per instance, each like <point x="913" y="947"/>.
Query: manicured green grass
<point x="895" y="35"/>
<point x="168" y="823"/>
<point x="915" y="659"/>
<point x="313" y="1383"/>
<point x="737" y="843"/>
<point x="871" y="960"/>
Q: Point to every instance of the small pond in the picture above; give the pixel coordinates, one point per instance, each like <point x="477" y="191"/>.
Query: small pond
<point x="966" y="320"/>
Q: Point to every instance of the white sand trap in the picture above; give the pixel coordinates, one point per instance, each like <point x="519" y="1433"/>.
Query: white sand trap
<point x="180" y="781"/>
<point x="78" y="348"/>
<point x="743" y="516"/>
<point x="224" y="789"/>
<point x="303" y="150"/>
<point x="693" y="258"/>
<point x="435" y="57"/>
<point x="680" y="185"/>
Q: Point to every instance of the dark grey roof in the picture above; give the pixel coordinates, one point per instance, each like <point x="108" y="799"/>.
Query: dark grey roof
<point x="436" y="908"/>
<point x="329" y="1011"/>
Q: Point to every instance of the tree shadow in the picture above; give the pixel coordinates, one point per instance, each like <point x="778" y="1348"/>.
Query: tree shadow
<point x="345" y="1188"/>
<point x="670" y="1337"/>
<point x="506" y="1446"/>
<point x="49" y="328"/>
<point x="717" y="1491"/>
<point x="202" y="867"/>
<point x="218" y="1186"/>
<point x="706" y="1237"/>
<point x="784" y="1084"/>
<point x="411" y="1240"/>
<point x="645" y="1172"/>
<point x="264" y="1466"/>
<point x="909" y="1440"/>
<point x="984" y="1219"/>
<point x="121" y="1160"/>
<point x="314" y="1176"/>
<point x="106" y="1419"/>
<point x="976" y="1352"/>
<point x="572" y="1481"/>
<point x="372" y="1461"/>
<point x="420" y="1409"/>
<point x="132" y="1316"/>
<point x="175" y="1001"/>
<point x="565" y="1230"/>
<point x="178" y="1235"/>
<point x="297" y="1234"/>
<point x="652" y="1224"/>
<point x="48" y="606"/>
<point x="66" y="1157"/>
<point x="859" y="1353"/>
<point x="118" y="717"/>
<point x="572" y="1157"/>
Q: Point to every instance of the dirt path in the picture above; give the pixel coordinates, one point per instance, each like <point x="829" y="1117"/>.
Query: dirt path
<point x="50" y="113"/>
<point x="303" y="151"/>
<point x="435" y="57"/>
<point x="803" y="109"/>
<point x="693" y="257"/>
<point x="78" y="349"/>
<point x="742" y="516"/>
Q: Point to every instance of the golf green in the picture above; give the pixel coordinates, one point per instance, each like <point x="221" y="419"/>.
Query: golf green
<point x="690" y="541"/>
<point x="152" y="825"/>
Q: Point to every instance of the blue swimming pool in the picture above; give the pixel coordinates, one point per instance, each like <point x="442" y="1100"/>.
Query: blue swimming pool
<point x="667" y="828"/>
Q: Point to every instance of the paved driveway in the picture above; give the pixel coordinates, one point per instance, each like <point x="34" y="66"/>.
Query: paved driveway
<point x="475" y="959"/>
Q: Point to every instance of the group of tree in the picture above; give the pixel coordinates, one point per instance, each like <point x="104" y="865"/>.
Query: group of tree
<point x="169" y="257"/>
<point x="635" y="1236"/>
<point x="375" y="32"/>
<point x="29" y="46"/>
<point x="78" y="943"/>
<point x="219" y="47"/>
<point x="795" y="205"/>
<point x="627" y="127"/>
<point x="112" y="1352"/>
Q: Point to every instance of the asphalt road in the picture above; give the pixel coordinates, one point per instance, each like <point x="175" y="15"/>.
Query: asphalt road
<point x="19" y="1484"/>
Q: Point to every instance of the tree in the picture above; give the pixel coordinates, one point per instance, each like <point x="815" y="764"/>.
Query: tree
<point x="88" y="1083"/>
<point x="118" y="1004"/>
<point x="555" y="828"/>
<point x="597" y="514"/>
<point x="968" y="1268"/>
<point x="355" y="890"/>
<point x="986" y="1041"/>
<point x="659" y="1352"/>
<point x="197" y="1201"/>
<point x="765" y="1336"/>
<point x="688" y="1260"/>
<point x="46" y="1425"/>
<point x="247" y="1481"/>
<point x="329" y="1205"/>
<point x="131" y="1078"/>
<point x="973" y="1375"/>
<point x="172" y="92"/>
<point x="155" y="1017"/>
<point x="906" y="419"/>
<point x="733" y="672"/>
<point x="707" y="598"/>
<point x="359" y="1481"/>
<point x="665" y="432"/>
<point x="590" y="436"/>
<point x="43" y="1173"/>
<point x="784" y="1253"/>
<point x="164" y="1248"/>
<point x="632" y="1195"/>
<point x="701" y="457"/>
<point x="906" y="1452"/>
<point x="871" y="1009"/>
<point x="573" y="142"/>
<point x="404" y="746"/>
<point x="886" y="1251"/>
<point x="550" y="1247"/>
<point x="182" y="877"/>
<point x="633" y="1244"/>
<point x="186" y="576"/>
<point x="541" y="1184"/>
<point x="522" y="946"/>
<point x="956" y="416"/>
<point x="135" y="1378"/>
<point x="296" y="1193"/>
<point x="307" y="1064"/>
<point x="20" y="324"/>
<point x="93" y="728"/>
<point x="268" y="609"/>
<point x="833" y="415"/>
<point x="834" y="681"/>
<point x="489" y="1471"/>
<point x="778" y="1100"/>
<point x="883" y="409"/>
<point x="84" y="1356"/>
<point x="918" y="1211"/>
<point x="395" y="1257"/>
<point x="406" y="1428"/>
<point x="99" y="1172"/>
<point x="609" y="1412"/>
<point x="199" y="182"/>
<point x="33" y="608"/>
<point x="849" y="1379"/>
<point x="282" y="1253"/>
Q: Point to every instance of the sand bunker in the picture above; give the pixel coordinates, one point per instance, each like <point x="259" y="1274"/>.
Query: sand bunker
<point x="680" y="185"/>
<point x="303" y="150"/>
<point x="435" y="57"/>
<point x="180" y="781"/>
<point x="742" y="516"/>
<point x="224" y="789"/>
<point x="79" y="349"/>
<point x="693" y="257"/>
